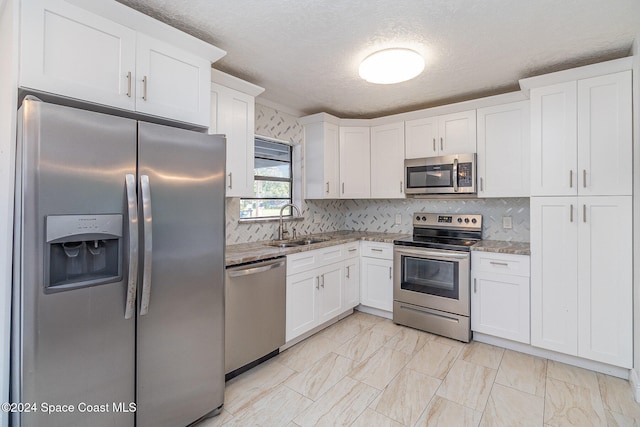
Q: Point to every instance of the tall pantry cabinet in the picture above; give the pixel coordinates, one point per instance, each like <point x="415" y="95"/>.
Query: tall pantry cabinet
<point x="581" y="216"/>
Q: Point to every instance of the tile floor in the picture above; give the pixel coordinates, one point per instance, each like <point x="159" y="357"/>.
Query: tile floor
<point x="365" y="371"/>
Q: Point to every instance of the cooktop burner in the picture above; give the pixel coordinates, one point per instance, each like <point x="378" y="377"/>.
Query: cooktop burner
<point x="444" y="231"/>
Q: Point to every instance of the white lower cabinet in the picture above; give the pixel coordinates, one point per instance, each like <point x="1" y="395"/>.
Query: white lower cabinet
<point x="351" y="292"/>
<point x="582" y="277"/>
<point x="500" y="295"/>
<point x="376" y="275"/>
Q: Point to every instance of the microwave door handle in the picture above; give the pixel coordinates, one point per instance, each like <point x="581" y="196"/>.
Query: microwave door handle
<point x="455" y="175"/>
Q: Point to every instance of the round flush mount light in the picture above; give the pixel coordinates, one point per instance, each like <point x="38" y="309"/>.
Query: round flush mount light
<point x="390" y="66"/>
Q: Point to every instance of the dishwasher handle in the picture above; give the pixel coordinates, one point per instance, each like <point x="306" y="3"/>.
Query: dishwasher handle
<point x="259" y="268"/>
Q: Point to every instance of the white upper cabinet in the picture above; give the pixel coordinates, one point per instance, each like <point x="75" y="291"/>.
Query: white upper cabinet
<point x="503" y="150"/>
<point x="442" y="135"/>
<point x="171" y="82"/>
<point x="355" y="154"/>
<point x="387" y="161"/>
<point x="321" y="160"/>
<point x="581" y="137"/>
<point x="233" y="114"/>
<point x="70" y="51"/>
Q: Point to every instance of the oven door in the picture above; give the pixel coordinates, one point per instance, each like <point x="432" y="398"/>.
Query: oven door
<point x="432" y="278"/>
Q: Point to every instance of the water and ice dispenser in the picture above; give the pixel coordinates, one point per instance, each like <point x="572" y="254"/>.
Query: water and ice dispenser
<point x="82" y="250"/>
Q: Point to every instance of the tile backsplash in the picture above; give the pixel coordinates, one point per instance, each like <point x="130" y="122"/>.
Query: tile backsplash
<point x="369" y="215"/>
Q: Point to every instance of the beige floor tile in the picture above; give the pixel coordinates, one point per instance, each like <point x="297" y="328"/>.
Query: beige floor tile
<point x="457" y="345"/>
<point x="216" y="421"/>
<point x="339" y="406"/>
<point x="370" y="418"/>
<point x="409" y="341"/>
<point x="444" y="413"/>
<point x="244" y="389"/>
<point x="482" y="354"/>
<point x="468" y="384"/>
<point x="345" y="329"/>
<point x="362" y="345"/>
<point x="523" y="372"/>
<point x="378" y="370"/>
<point x="407" y="396"/>
<point x="306" y="353"/>
<point x="275" y="409"/>
<point x="367" y="318"/>
<point x="509" y="407"/>
<point x="434" y="359"/>
<point x="321" y="376"/>
<point x="617" y="396"/>
<point x="572" y="374"/>
<point x="615" y="419"/>
<point x="388" y="328"/>
<point x="571" y="404"/>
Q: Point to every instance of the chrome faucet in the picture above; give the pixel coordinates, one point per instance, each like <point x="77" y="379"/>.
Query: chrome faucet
<point x="282" y="230"/>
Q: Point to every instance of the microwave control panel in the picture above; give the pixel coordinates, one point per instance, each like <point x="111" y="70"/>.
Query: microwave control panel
<point x="465" y="175"/>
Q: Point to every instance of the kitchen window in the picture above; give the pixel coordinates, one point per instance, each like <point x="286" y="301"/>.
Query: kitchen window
<point x="273" y="181"/>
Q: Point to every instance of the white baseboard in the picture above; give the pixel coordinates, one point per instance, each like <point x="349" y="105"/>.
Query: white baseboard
<point x="635" y="384"/>
<point x="604" y="368"/>
<point x="375" y="311"/>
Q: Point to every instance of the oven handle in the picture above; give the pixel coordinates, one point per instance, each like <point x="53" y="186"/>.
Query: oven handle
<point x="432" y="253"/>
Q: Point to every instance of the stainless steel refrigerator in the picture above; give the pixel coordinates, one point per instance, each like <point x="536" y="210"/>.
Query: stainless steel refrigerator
<point x="118" y="307"/>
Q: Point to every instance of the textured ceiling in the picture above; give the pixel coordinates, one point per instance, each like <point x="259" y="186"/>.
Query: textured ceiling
<point x="306" y="53"/>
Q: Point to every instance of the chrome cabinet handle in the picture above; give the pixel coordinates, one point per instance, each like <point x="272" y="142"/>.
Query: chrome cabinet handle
<point x="353" y="250"/>
<point x="343" y="188"/>
<point x="570" y="179"/>
<point x="401" y="187"/>
<point x="390" y="273"/>
<point x="571" y="213"/>
<point x="129" y="84"/>
<point x="441" y="144"/>
<point x="327" y="187"/>
<point x="475" y="285"/>
<point x="348" y="271"/>
<point x="132" y="211"/>
<point x="584" y="178"/>
<point x="584" y="213"/>
<point x="455" y="175"/>
<point x="434" y="144"/>
<point x="322" y="281"/>
<point x="504" y="264"/>
<point x="376" y="250"/>
<point x="144" y="88"/>
<point x="481" y="184"/>
<point x="230" y="180"/>
<point x="148" y="244"/>
<point x="318" y="282"/>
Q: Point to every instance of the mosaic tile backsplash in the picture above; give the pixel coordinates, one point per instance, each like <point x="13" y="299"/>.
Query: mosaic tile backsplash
<point x="368" y="215"/>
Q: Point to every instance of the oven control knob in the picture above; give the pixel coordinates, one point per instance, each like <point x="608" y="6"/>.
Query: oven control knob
<point x="418" y="218"/>
<point x="459" y="219"/>
<point x="424" y="218"/>
<point x="466" y="220"/>
<point x="474" y="220"/>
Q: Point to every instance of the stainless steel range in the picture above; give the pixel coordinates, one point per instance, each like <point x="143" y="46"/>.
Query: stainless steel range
<point x="431" y="283"/>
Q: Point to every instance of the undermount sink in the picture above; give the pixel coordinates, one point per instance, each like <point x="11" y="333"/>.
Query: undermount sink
<point x="298" y="242"/>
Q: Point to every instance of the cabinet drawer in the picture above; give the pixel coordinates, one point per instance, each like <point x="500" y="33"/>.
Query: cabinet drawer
<point x="490" y="262"/>
<point x="377" y="250"/>
<point x="352" y="250"/>
<point x="331" y="254"/>
<point x="302" y="261"/>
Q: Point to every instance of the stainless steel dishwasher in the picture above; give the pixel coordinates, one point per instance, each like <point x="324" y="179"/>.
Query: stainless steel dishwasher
<point x="255" y="306"/>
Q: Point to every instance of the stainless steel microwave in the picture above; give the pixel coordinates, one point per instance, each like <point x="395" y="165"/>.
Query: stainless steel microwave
<point x="453" y="174"/>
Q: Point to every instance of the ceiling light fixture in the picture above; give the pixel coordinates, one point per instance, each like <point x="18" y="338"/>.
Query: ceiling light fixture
<point x="390" y="66"/>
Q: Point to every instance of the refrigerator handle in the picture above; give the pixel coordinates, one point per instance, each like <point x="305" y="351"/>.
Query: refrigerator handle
<point x="148" y="244"/>
<point x="132" y="210"/>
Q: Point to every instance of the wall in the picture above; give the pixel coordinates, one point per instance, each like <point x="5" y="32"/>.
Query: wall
<point x="371" y="215"/>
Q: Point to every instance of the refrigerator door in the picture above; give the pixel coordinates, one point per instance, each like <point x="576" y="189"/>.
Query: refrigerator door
<point x="180" y="338"/>
<point x="71" y="342"/>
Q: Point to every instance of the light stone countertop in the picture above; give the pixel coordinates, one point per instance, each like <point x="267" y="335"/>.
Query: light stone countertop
<point x="256" y="251"/>
<point x="502" y="247"/>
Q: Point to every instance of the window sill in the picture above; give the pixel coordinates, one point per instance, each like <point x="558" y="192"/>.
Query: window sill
<point x="270" y="219"/>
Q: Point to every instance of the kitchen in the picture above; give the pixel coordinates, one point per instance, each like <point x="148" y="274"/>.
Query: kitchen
<point x="365" y="214"/>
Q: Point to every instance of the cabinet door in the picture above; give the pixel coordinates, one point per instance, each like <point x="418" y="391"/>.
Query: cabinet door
<point x="553" y="140"/>
<point x="302" y="305"/>
<point x="321" y="160"/>
<point x="68" y="51"/>
<point x="387" y="161"/>
<point x="604" y="131"/>
<point x="331" y="288"/>
<point x="554" y="273"/>
<point x="376" y="283"/>
<point x="457" y="133"/>
<point x="421" y="138"/>
<point x="605" y="277"/>
<point x="172" y="83"/>
<point x="233" y="114"/>
<point x="503" y="150"/>
<point x="355" y="156"/>
<point x="500" y="305"/>
<point x="351" y="283"/>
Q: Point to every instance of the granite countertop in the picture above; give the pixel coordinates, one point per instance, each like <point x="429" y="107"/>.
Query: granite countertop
<point x="256" y="251"/>
<point x="502" y="247"/>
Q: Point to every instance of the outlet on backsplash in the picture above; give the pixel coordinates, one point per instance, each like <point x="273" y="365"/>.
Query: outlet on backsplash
<point x="507" y="223"/>
<point x="317" y="218"/>
<point x="398" y="219"/>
